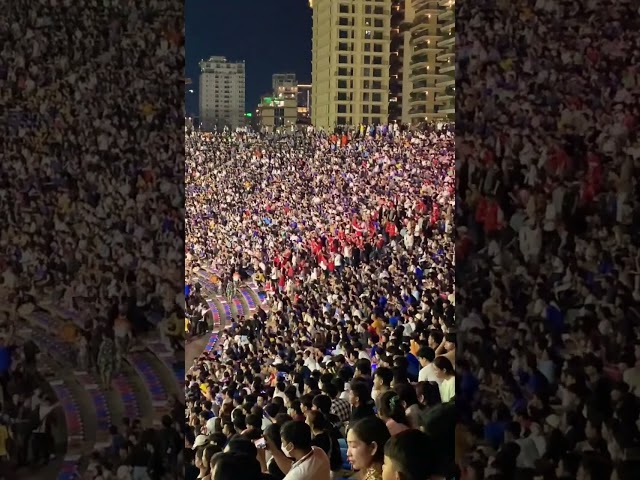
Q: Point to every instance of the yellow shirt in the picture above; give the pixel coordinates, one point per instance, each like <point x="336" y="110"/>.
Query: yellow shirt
<point x="5" y="435"/>
<point x="69" y="333"/>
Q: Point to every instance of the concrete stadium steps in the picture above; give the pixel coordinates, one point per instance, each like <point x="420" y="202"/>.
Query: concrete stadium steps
<point x="103" y="417"/>
<point x="216" y="313"/>
<point x="65" y="466"/>
<point x="213" y="340"/>
<point x="128" y="396"/>
<point x="167" y="372"/>
<point x="63" y="353"/>
<point x="153" y="392"/>
<point x="249" y="300"/>
<point x="75" y="423"/>
<point x="95" y="407"/>
<point x="170" y="366"/>
<point x="203" y="278"/>
<point x="223" y="306"/>
<point x="57" y="311"/>
<point x="131" y="383"/>
<point x="258" y="294"/>
<point x="121" y="401"/>
<point x="238" y="308"/>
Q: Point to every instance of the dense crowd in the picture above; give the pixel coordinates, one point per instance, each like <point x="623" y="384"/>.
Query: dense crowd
<point x="351" y="364"/>
<point x="547" y="239"/>
<point x="91" y="212"/>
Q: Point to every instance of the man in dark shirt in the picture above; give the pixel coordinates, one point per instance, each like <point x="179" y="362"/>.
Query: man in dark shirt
<point x="361" y="401"/>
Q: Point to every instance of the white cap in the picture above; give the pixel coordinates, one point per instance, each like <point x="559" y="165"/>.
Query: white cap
<point x="201" y="440"/>
<point x="211" y="423"/>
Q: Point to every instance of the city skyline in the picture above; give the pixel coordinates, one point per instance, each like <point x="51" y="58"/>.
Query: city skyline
<point x="226" y="29"/>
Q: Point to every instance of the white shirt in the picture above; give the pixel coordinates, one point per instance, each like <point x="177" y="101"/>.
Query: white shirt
<point x="428" y="374"/>
<point x="448" y="389"/>
<point x="313" y="466"/>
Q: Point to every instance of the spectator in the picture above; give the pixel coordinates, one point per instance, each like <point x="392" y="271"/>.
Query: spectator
<point x="234" y="465"/>
<point x="309" y="462"/>
<point x="392" y="412"/>
<point x="366" y="440"/>
<point x="361" y="401"/>
<point x="427" y="373"/>
<point x="410" y="456"/>
<point x="445" y="372"/>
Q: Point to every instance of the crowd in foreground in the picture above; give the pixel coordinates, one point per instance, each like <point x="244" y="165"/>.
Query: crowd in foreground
<point x="90" y="157"/>
<point x="349" y="369"/>
<point x="547" y="239"/>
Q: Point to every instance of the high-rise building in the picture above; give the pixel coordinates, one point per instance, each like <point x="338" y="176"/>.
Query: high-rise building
<point x="424" y="35"/>
<point x="396" y="70"/>
<point x="447" y="60"/>
<point x="428" y="61"/>
<point x="350" y="62"/>
<point x="222" y="93"/>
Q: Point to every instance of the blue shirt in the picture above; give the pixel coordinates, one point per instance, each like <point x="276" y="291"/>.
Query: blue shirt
<point x="6" y="354"/>
<point x="414" y="365"/>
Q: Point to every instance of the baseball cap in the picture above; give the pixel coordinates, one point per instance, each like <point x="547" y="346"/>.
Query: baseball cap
<point x="201" y="440"/>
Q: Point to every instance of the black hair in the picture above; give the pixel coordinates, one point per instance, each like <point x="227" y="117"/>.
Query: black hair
<point x="385" y="374"/>
<point x="390" y="406"/>
<point x="296" y="406"/>
<point x="330" y="389"/>
<point x="431" y="393"/>
<point x="272" y="432"/>
<point x="363" y="365"/>
<point x="242" y="445"/>
<point x="297" y="433"/>
<point x="372" y="430"/>
<point x="427" y="353"/>
<point x="407" y="394"/>
<point x="235" y="465"/>
<point x="323" y="403"/>
<point x="361" y="390"/>
<point x="443" y="363"/>
<point x="411" y="454"/>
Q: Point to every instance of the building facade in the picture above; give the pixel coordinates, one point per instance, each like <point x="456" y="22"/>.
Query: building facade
<point x="283" y="81"/>
<point x="447" y="60"/>
<point x="350" y="62"/>
<point x="428" y="61"/>
<point x="304" y="104"/>
<point x="277" y="113"/>
<point x="222" y="93"/>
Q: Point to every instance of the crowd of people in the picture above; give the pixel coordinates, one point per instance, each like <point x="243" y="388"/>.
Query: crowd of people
<point x="91" y="212"/>
<point x="547" y="240"/>
<point x="92" y="219"/>
<point x="350" y="366"/>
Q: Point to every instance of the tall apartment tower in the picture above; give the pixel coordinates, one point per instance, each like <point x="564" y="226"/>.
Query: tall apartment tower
<point x="222" y="93"/>
<point x="350" y="62"/>
<point x="426" y="45"/>
<point x="396" y="70"/>
<point x="447" y="59"/>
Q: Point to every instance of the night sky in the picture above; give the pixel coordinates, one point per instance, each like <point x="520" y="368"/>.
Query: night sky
<point x="271" y="36"/>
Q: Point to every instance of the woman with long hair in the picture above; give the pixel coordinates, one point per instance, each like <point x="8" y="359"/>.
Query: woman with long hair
<point x="444" y="371"/>
<point x="391" y="411"/>
<point x="365" y="452"/>
<point x="428" y="394"/>
<point x="409" y="401"/>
